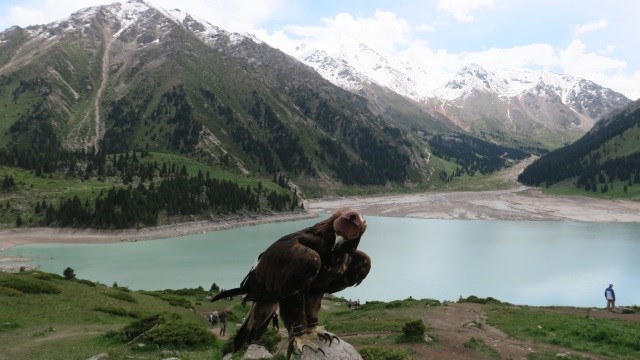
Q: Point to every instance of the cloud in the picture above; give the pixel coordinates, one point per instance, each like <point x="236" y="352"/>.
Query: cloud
<point x="587" y="28"/>
<point x="384" y="31"/>
<point x="462" y="9"/>
<point x="425" y="28"/>
<point x="576" y="59"/>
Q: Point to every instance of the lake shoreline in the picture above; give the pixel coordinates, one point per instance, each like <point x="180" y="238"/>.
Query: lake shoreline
<point x="516" y="204"/>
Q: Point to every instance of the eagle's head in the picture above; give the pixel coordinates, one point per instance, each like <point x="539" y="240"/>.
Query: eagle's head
<point x="348" y="225"/>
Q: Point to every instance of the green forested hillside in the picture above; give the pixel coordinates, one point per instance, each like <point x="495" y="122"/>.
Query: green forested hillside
<point x="606" y="159"/>
<point x="89" y="106"/>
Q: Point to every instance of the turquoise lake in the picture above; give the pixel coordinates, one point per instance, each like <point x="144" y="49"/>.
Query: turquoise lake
<point x="522" y="262"/>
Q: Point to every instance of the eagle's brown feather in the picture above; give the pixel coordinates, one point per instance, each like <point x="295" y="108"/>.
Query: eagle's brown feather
<point x="297" y="270"/>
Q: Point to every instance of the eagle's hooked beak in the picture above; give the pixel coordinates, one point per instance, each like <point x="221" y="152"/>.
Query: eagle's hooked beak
<point x="339" y="241"/>
<point x="347" y="227"/>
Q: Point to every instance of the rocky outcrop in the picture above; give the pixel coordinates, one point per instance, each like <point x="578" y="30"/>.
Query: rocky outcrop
<point x="337" y="350"/>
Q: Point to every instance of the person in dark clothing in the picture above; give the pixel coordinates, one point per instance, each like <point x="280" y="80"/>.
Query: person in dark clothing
<point x="610" y="295"/>
<point x="222" y="317"/>
<point x="274" y="321"/>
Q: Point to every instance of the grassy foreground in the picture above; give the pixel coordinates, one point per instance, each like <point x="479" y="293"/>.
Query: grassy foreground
<point x="45" y="316"/>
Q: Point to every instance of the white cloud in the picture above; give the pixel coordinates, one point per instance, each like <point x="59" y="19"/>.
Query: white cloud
<point x="575" y="59"/>
<point x="527" y="56"/>
<point x="462" y="9"/>
<point x="587" y="28"/>
<point x="425" y="28"/>
<point x="383" y="32"/>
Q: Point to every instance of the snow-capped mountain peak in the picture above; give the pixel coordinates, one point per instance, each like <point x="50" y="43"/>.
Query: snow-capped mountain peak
<point x="359" y="64"/>
<point x="473" y="78"/>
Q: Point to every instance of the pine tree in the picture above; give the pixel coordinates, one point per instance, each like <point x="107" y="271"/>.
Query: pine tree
<point x="69" y="274"/>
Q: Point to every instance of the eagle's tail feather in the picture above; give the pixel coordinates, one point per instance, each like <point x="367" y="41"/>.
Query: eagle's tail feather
<point x="228" y="293"/>
<point x="254" y="325"/>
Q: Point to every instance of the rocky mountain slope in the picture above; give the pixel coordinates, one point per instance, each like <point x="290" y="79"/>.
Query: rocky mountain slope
<point x="529" y="107"/>
<point x="131" y="76"/>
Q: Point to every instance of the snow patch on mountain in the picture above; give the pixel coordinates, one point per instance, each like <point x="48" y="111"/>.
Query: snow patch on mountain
<point x="351" y="64"/>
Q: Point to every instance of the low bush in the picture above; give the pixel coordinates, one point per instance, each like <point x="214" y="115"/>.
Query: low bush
<point x="8" y="325"/>
<point x="477" y="300"/>
<point x="187" y="291"/>
<point x="119" y="295"/>
<point x="42" y="276"/>
<point x="85" y="282"/>
<point x="178" y="333"/>
<point x="412" y="332"/>
<point x="139" y="327"/>
<point x="172" y="299"/>
<point x="28" y="285"/>
<point x="113" y="310"/>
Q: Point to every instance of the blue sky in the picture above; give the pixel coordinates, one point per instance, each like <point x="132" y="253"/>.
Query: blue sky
<point x="592" y="39"/>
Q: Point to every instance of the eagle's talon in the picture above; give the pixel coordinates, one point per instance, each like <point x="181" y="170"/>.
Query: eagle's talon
<point x="298" y="343"/>
<point x="324" y="335"/>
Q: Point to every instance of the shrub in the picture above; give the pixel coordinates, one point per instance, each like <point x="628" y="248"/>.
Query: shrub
<point x="29" y="286"/>
<point x="412" y="332"/>
<point x="172" y="299"/>
<point x="119" y="295"/>
<point x="431" y="302"/>
<point x="476" y="300"/>
<point x="393" y="304"/>
<point x="187" y="292"/>
<point x="6" y="326"/>
<point x="179" y="333"/>
<point x="118" y="311"/>
<point x="85" y="282"/>
<point x="382" y="353"/>
<point x="43" y="276"/>
<point x="141" y="326"/>
<point x="69" y="274"/>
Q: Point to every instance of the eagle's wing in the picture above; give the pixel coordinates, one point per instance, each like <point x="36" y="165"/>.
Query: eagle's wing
<point x="285" y="268"/>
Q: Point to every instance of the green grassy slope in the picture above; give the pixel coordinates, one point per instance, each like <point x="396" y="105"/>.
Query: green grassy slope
<point x="45" y="316"/>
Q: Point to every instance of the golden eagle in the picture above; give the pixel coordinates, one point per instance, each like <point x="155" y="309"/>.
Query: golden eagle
<point x="295" y="272"/>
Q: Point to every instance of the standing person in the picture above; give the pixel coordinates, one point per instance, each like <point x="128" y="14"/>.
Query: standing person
<point x="222" y="316"/>
<point x="611" y="298"/>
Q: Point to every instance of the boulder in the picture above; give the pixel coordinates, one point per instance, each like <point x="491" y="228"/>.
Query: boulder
<point x="255" y="352"/>
<point x="338" y="350"/>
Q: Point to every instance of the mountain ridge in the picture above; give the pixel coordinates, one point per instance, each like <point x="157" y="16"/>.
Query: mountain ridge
<point x="127" y="75"/>
<point x="532" y="97"/>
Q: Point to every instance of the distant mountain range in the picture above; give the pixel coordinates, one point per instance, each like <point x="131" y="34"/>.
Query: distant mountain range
<point x="127" y="76"/>
<point x="530" y="107"/>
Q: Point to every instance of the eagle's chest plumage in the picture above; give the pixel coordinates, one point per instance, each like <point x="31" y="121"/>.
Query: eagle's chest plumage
<point x="332" y="268"/>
